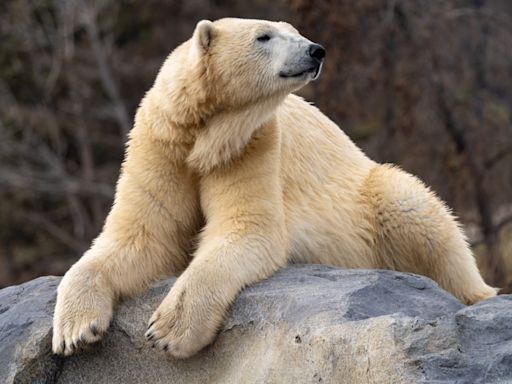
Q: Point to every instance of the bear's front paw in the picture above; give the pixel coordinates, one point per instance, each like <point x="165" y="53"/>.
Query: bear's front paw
<point x="185" y="322"/>
<point x="82" y="314"/>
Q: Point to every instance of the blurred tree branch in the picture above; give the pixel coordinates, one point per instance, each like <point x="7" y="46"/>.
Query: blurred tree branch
<point x="107" y="80"/>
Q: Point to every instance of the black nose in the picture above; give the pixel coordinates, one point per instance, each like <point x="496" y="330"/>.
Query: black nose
<point x="316" y="51"/>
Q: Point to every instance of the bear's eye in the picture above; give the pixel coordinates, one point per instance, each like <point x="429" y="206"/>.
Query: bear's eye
<point x="263" y="38"/>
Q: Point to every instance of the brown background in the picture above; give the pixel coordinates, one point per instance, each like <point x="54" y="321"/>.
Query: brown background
<point x="424" y="84"/>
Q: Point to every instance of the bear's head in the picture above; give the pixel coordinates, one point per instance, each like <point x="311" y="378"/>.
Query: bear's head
<point x="230" y="63"/>
<point x="224" y="83"/>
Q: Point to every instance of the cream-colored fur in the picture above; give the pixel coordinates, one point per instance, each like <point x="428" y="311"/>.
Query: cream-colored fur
<point x="228" y="177"/>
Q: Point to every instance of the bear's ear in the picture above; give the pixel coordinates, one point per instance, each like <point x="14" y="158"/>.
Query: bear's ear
<point x="203" y="35"/>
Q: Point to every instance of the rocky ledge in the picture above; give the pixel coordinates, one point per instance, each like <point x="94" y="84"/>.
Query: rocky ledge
<point x="306" y="324"/>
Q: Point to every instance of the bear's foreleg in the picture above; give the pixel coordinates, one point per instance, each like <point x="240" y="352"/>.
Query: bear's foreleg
<point x="242" y="243"/>
<point x="144" y="238"/>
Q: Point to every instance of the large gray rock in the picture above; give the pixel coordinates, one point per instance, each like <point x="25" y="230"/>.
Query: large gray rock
<point x="306" y="324"/>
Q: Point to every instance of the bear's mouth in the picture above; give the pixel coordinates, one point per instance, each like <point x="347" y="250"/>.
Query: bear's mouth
<point x="315" y="70"/>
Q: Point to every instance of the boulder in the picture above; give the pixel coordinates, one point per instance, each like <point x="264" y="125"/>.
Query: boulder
<point x="306" y="324"/>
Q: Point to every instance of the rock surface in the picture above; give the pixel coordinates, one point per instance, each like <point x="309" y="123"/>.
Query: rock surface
<point x="306" y="324"/>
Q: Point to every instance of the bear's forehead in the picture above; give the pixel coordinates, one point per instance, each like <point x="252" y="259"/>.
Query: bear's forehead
<point x="252" y="24"/>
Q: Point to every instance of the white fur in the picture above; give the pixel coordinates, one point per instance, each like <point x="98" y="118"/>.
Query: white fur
<point x="228" y="177"/>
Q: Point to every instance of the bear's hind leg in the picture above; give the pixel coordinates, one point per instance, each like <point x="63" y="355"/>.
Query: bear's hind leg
<point x="417" y="233"/>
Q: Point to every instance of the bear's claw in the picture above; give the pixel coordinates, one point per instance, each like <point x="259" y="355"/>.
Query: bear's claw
<point x="76" y="328"/>
<point x="177" y="326"/>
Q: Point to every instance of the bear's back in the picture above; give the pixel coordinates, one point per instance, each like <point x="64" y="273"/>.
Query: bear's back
<point x="322" y="172"/>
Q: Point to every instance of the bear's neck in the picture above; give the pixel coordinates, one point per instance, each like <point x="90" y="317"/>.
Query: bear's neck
<point x="225" y="135"/>
<point x="201" y="138"/>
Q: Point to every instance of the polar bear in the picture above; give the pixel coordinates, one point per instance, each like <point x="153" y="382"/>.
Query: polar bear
<point x="228" y="177"/>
